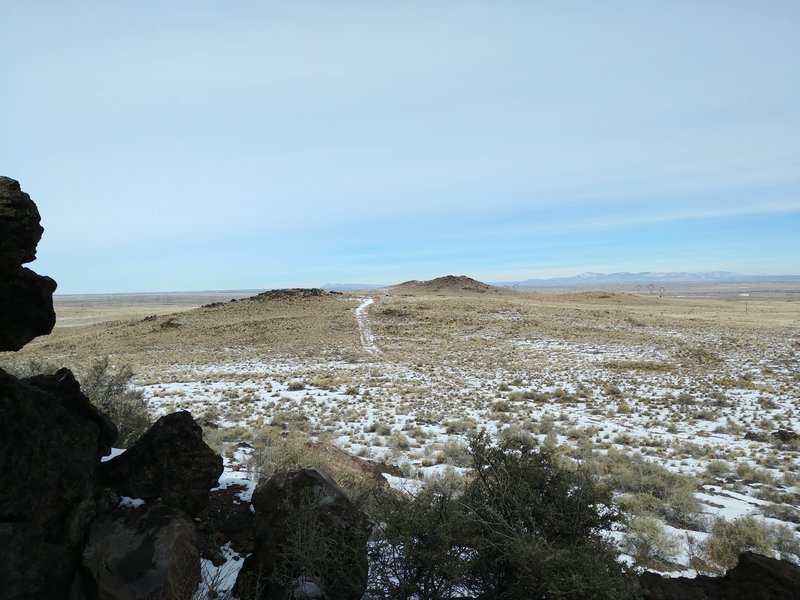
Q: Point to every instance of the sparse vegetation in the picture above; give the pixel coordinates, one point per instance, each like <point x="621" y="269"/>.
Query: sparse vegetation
<point x="649" y="543"/>
<point x="523" y="527"/>
<point x="670" y="401"/>
<point x="729" y="538"/>
<point x="109" y="388"/>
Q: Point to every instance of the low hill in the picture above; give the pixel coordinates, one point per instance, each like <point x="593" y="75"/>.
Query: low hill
<point x="278" y="322"/>
<point x="449" y="284"/>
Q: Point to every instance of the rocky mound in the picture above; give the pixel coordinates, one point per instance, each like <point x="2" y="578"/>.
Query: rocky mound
<point x="289" y="294"/>
<point x="446" y="284"/>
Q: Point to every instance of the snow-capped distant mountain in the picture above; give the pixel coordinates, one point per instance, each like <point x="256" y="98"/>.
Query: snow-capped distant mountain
<point x="648" y="277"/>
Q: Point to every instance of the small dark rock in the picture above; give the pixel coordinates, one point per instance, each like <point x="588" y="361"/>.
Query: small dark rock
<point x="786" y="436"/>
<point x="170" y="461"/>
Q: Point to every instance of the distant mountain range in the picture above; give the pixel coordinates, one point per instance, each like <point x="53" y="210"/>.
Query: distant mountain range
<point x="350" y="287"/>
<point x="603" y="279"/>
<point x="644" y="277"/>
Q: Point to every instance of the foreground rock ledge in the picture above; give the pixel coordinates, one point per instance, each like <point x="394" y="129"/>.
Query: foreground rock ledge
<point x="51" y="440"/>
<point x="755" y="577"/>
<point x="142" y="553"/>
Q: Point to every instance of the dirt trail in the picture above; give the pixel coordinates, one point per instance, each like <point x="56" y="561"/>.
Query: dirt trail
<point x="367" y="337"/>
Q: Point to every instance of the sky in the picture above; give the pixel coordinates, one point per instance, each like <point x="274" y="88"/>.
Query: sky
<point x="216" y="145"/>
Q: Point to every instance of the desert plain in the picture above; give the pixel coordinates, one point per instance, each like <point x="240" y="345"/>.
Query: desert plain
<point x="687" y="404"/>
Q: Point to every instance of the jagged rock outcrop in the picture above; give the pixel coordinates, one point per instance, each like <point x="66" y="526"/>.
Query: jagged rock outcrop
<point x="143" y="553"/>
<point x="310" y="540"/>
<point x="51" y="440"/>
<point x="755" y="577"/>
<point x="26" y="299"/>
<point x="19" y="222"/>
<point x="171" y="462"/>
<point x="289" y="294"/>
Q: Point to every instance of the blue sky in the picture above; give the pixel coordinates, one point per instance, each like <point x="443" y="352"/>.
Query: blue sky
<point x="190" y="145"/>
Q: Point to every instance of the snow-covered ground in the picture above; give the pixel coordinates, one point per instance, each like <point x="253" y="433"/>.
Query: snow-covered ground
<point x="585" y="396"/>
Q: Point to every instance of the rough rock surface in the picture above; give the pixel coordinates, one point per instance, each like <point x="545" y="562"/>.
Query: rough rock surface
<point x="755" y="577"/>
<point x="142" y="553"/>
<point x="170" y="461"/>
<point x="51" y="440"/>
<point x="309" y="536"/>
<point x="289" y="294"/>
<point x="26" y="299"/>
<point x="226" y="520"/>
<point x="19" y="222"/>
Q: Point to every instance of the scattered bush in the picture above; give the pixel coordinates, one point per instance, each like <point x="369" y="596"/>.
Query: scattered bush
<point x="523" y="527"/>
<point x="632" y="474"/>
<point x="647" y="542"/>
<point x="110" y="390"/>
<point x="422" y="544"/>
<point x="730" y="538"/>
<point x="276" y="450"/>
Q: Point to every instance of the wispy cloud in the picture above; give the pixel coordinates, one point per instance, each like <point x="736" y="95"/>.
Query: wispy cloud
<point x="410" y="137"/>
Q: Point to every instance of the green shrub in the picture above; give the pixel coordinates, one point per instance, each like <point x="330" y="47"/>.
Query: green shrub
<point x="523" y="527"/>
<point x="110" y="391"/>
<point x="421" y="544"/>
<point x="456" y="454"/>
<point x="275" y="452"/>
<point x="515" y="434"/>
<point x="501" y="406"/>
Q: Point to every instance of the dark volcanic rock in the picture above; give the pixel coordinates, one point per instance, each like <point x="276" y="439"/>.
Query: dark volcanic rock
<point x="26" y="299"/>
<point x="308" y="535"/>
<point x="143" y="553"/>
<point x="755" y="577"/>
<point x="170" y="461"/>
<point x="51" y="439"/>
<point x="290" y="294"/>
<point x="226" y="519"/>
<point x="786" y="436"/>
<point x="26" y="307"/>
<point x="19" y="224"/>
